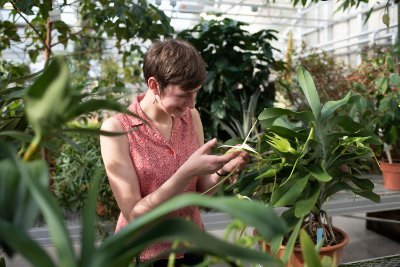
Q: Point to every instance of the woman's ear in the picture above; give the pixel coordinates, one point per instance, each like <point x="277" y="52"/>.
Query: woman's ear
<point x="153" y="86"/>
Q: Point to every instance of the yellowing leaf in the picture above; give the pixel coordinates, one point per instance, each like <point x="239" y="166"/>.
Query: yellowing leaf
<point x="242" y="147"/>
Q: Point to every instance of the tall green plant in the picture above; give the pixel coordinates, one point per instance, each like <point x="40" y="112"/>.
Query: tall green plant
<point x="328" y="73"/>
<point x="238" y="66"/>
<point x="51" y="102"/>
<point x="309" y="156"/>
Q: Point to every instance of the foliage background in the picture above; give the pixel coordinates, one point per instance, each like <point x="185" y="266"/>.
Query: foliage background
<point x="238" y="67"/>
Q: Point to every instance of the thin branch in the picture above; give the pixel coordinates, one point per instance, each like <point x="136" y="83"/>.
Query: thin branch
<point x="30" y="24"/>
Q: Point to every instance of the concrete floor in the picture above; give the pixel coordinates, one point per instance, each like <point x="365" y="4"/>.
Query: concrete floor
<point x="364" y="244"/>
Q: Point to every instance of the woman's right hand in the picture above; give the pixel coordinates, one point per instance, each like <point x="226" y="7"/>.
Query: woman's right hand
<point x="202" y="163"/>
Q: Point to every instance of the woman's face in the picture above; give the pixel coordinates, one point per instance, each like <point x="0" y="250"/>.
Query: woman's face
<point x="175" y="101"/>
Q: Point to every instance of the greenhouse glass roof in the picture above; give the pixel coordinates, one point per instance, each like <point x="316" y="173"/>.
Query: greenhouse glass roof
<point x="320" y="25"/>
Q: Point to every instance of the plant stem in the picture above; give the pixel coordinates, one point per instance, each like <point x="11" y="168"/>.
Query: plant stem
<point x="172" y="256"/>
<point x="248" y="134"/>
<point x="220" y="182"/>
<point x="33" y="146"/>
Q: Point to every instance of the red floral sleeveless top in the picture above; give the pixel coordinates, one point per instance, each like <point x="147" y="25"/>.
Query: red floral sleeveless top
<point x="155" y="160"/>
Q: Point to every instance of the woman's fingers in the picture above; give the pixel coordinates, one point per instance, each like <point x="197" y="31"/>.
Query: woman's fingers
<point x="206" y="148"/>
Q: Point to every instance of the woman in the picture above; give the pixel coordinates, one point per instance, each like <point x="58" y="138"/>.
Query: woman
<point x="165" y="156"/>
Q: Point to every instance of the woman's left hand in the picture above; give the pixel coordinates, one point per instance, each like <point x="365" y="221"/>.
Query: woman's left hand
<point x="236" y="164"/>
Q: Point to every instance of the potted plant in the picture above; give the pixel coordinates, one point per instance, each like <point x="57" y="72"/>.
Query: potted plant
<point x="377" y="79"/>
<point x="306" y="157"/>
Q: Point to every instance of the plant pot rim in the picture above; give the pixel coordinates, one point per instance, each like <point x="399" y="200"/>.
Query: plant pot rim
<point x="342" y="244"/>
<point x="386" y="163"/>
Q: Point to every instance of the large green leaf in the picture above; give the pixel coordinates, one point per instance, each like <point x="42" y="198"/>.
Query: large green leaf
<point x="251" y="213"/>
<point x="9" y="183"/>
<point x="362" y="183"/>
<point x="27" y="210"/>
<point x="47" y="99"/>
<point x="331" y="106"/>
<point x="273" y="113"/>
<point x="16" y="204"/>
<point x="291" y="242"/>
<point x="95" y="105"/>
<point x="173" y="229"/>
<point x="47" y="205"/>
<point x="269" y="115"/>
<point x="288" y="192"/>
<point x="248" y="182"/>
<point x="319" y="173"/>
<point x="307" y="85"/>
<point x="304" y="206"/>
<point x="310" y="255"/>
<point x="347" y="123"/>
<point x="341" y="186"/>
<point x="288" y="132"/>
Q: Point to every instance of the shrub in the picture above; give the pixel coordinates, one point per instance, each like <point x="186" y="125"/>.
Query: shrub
<point x="77" y="162"/>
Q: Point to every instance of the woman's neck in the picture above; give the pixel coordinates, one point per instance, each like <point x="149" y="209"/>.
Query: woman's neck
<point x="154" y="111"/>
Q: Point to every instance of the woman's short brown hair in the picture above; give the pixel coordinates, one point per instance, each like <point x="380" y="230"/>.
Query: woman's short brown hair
<point x="175" y="62"/>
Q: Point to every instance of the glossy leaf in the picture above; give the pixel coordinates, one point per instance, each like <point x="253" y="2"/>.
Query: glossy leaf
<point x="287" y="254"/>
<point x="310" y="255"/>
<point x="289" y="192"/>
<point x="47" y="99"/>
<point x="275" y="245"/>
<point x="268" y="116"/>
<point x="319" y="173"/>
<point x="304" y="207"/>
<point x="341" y="186"/>
<point x="307" y="85"/>
<point x="273" y="113"/>
<point x="362" y="183"/>
<point x="331" y="106"/>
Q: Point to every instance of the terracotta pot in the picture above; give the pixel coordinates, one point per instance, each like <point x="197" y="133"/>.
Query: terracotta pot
<point x="332" y="251"/>
<point x="391" y="175"/>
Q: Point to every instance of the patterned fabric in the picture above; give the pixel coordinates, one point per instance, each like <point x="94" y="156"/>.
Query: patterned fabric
<point x="156" y="159"/>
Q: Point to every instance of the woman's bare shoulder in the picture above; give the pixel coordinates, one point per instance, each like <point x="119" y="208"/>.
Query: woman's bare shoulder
<point x="111" y="125"/>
